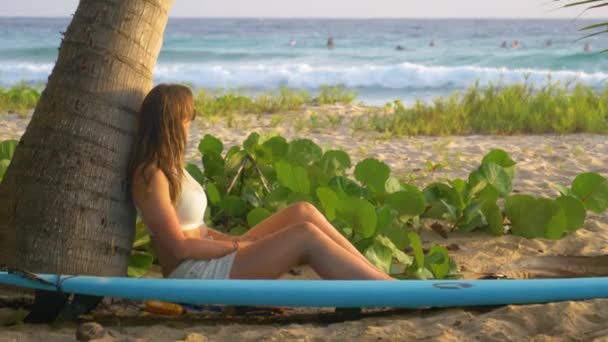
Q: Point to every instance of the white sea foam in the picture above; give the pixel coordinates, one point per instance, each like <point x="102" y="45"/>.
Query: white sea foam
<point x="401" y="76"/>
<point x="406" y="76"/>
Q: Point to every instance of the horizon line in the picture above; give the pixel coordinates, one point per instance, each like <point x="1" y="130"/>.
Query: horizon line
<point x="333" y="18"/>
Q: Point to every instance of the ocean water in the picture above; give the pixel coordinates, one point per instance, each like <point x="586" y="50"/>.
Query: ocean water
<point x="256" y="55"/>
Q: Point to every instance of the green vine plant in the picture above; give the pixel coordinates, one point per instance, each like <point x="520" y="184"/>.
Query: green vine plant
<point x="377" y="212"/>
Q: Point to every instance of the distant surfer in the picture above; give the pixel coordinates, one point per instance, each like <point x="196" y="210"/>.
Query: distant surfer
<point x="587" y="47"/>
<point x="432" y="43"/>
<point x="330" y="43"/>
<point x="549" y="43"/>
<point x="516" y="44"/>
<point x="504" y="44"/>
<point x="399" y="48"/>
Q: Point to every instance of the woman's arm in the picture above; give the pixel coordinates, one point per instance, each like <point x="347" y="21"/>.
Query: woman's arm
<point x="154" y="203"/>
<point x="219" y="236"/>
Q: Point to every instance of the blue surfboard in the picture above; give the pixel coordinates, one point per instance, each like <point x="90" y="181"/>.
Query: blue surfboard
<point x="326" y="293"/>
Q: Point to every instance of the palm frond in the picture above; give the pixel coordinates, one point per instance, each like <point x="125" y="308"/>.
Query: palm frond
<point x="589" y="5"/>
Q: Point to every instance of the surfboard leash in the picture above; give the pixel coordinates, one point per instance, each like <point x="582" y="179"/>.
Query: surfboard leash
<point x="31" y="276"/>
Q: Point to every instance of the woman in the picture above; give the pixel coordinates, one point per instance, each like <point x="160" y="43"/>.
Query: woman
<point x="172" y="205"/>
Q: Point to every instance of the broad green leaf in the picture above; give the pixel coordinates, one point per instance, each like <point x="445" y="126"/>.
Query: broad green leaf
<point x="294" y="178"/>
<point x="302" y="184"/>
<point x="460" y="186"/>
<point x="345" y="186"/>
<point x="380" y="255"/>
<point x="392" y="185"/>
<point x="277" y="198"/>
<point x="408" y="203"/>
<point x="500" y="158"/>
<point x="398" y="235"/>
<point x="275" y="148"/>
<point x="397" y="253"/>
<point x="359" y="214"/>
<point x="498" y="177"/>
<point x="139" y="263"/>
<point x="296" y="197"/>
<point x="213" y="194"/>
<point x="284" y="174"/>
<point x="303" y="152"/>
<point x="142" y="236"/>
<point x="251" y="141"/>
<point x="494" y="175"/>
<point x="249" y="195"/>
<point x="213" y="165"/>
<point x="385" y="218"/>
<point x="477" y="183"/>
<point x="233" y="206"/>
<point x="438" y="261"/>
<point x="7" y="149"/>
<point x="335" y="162"/>
<point x="563" y="190"/>
<point x="535" y="217"/>
<point x="257" y="215"/>
<point x="237" y="231"/>
<point x="574" y="210"/>
<point x="372" y="173"/>
<point x="361" y="245"/>
<point x="452" y="214"/>
<point x="317" y="177"/>
<point x="416" y="245"/>
<point x="472" y="210"/>
<point x="196" y="173"/>
<point x="493" y="217"/>
<point x="471" y="223"/>
<point x="442" y="199"/>
<point x="488" y="194"/>
<point x="232" y="151"/>
<point x="329" y="202"/>
<point x="233" y="162"/>
<point x="3" y="167"/>
<point x="210" y="144"/>
<point x="422" y="273"/>
<point x="592" y="189"/>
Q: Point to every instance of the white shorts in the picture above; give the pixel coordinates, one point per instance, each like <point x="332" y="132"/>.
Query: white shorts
<point x="218" y="268"/>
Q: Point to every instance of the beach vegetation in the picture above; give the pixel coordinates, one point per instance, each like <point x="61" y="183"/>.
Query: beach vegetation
<point x="378" y="212"/>
<point x="514" y="109"/>
<point x="19" y="98"/>
<point x="283" y="100"/>
<point x="334" y="95"/>
<point x="7" y="149"/>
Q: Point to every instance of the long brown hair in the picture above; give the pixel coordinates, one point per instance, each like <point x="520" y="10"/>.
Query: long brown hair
<point x="161" y="139"/>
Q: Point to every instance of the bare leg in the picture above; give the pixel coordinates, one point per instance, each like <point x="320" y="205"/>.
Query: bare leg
<point x="276" y="253"/>
<point x="303" y="212"/>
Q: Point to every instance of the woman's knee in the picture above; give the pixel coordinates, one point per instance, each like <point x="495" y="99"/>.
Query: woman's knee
<point x="304" y="211"/>
<point x="307" y="229"/>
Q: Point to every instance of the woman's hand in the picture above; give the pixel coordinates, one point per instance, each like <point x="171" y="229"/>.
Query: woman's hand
<point x="244" y="241"/>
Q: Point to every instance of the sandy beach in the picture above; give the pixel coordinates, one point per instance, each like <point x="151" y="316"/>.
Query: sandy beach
<point x="542" y="162"/>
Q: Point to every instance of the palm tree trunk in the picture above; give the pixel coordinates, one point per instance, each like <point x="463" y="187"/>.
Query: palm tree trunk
<point x="64" y="203"/>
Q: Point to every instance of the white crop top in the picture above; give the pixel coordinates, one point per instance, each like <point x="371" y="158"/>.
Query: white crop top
<point x="191" y="205"/>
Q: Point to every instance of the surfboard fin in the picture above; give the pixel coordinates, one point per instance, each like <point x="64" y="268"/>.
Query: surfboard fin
<point x="52" y="305"/>
<point x="47" y="305"/>
<point x="80" y="305"/>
